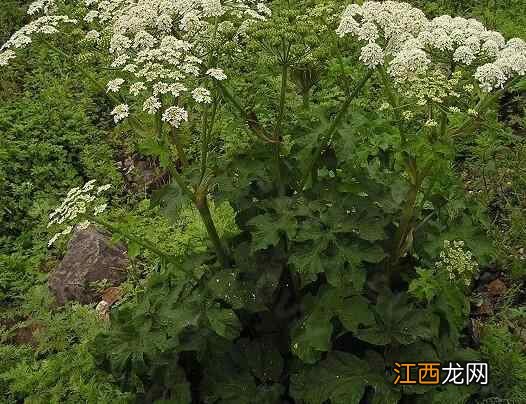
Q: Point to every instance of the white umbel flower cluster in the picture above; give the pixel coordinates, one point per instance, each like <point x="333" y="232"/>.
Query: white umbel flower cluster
<point x="217" y="74"/>
<point x="158" y="47"/>
<point x="120" y="112"/>
<point x="175" y="115"/>
<point x="401" y="37"/>
<point x="44" y="6"/>
<point x="46" y="25"/>
<point x="202" y="95"/>
<point x="80" y="203"/>
<point x="458" y="262"/>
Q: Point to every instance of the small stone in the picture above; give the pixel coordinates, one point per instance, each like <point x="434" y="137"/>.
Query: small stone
<point x="496" y="288"/>
<point x="112" y="295"/>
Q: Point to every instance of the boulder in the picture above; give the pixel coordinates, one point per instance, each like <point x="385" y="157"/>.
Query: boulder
<point x="91" y="257"/>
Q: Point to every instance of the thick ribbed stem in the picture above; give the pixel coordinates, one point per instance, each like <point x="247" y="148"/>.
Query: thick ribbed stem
<point x="201" y="203"/>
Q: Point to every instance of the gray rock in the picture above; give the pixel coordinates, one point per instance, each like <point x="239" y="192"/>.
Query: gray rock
<point x="91" y="257"/>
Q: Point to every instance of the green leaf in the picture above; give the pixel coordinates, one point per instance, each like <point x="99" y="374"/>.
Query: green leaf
<point x="398" y="320"/>
<point x="134" y="249"/>
<point x="341" y="378"/>
<point x="270" y="228"/>
<point x="307" y="260"/>
<point x="152" y="146"/>
<point x="170" y="199"/>
<point x="371" y="230"/>
<point x="263" y="359"/>
<point x="356" y="311"/>
<point x="224" y="322"/>
<point x="228" y="375"/>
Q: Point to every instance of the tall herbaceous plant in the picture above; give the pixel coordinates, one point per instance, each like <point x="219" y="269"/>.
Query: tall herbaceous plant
<point x="346" y="257"/>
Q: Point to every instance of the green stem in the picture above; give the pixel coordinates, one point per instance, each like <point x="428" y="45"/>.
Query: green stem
<point x="201" y="203"/>
<point x="138" y="240"/>
<point x="391" y="96"/>
<point x="481" y="107"/>
<point x="250" y="119"/>
<point x="176" y="139"/>
<point x="408" y="213"/>
<point x="306" y="99"/>
<point x="278" y="130"/>
<point x="326" y="141"/>
<point x="405" y="223"/>
<point x="207" y="131"/>
<point x="443" y="124"/>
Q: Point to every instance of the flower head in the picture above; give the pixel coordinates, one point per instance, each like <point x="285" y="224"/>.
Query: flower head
<point x="457" y="261"/>
<point x="120" y="112"/>
<point x="79" y="204"/>
<point x="202" y="95"/>
<point x="174" y="116"/>
<point x="217" y="74"/>
<point x="114" y="85"/>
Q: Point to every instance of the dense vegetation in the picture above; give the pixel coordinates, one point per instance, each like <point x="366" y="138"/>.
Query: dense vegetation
<point x="314" y="210"/>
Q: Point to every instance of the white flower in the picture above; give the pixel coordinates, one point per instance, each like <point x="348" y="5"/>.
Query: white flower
<point x="490" y="48"/>
<point x="6" y="56"/>
<point x="99" y="209"/>
<point x="103" y="188"/>
<point x="91" y="15"/>
<point x="517" y="44"/>
<point x="490" y="76"/>
<point x="454" y="109"/>
<point x="189" y="68"/>
<point x="130" y="68"/>
<point x="512" y="61"/>
<point x="385" y="106"/>
<point x="431" y="123"/>
<point x="43" y="25"/>
<point x="120" y="60"/>
<point x="54" y="239"/>
<point x="472" y="112"/>
<point x="151" y="105"/>
<point x="41" y="5"/>
<point x="407" y="115"/>
<point x="457" y="261"/>
<point x="464" y="54"/>
<point x="88" y="186"/>
<point x="136" y="88"/>
<point x="119" y="43"/>
<point x="416" y="45"/>
<point x="120" y="112"/>
<point x="92" y="35"/>
<point x="212" y="8"/>
<point x="175" y="115"/>
<point x="114" y="85"/>
<point x="21" y="41"/>
<point x="372" y="55"/>
<point x="348" y="25"/>
<point x="83" y="225"/>
<point x="144" y="39"/>
<point x="408" y="63"/>
<point x="368" y="32"/>
<point x="202" y="95"/>
<point x="263" y="9"/>
<point x="217" y="74"/>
